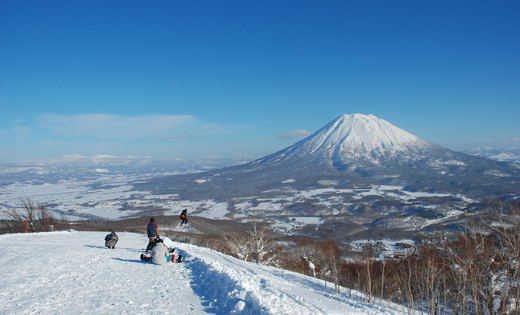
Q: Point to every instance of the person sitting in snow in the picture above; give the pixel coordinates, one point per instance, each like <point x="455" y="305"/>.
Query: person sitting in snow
<point x="111" y="240"/>
<point x="153" y="231"/>
<point x="160" y="253"/>
<point x="184" y="213"/>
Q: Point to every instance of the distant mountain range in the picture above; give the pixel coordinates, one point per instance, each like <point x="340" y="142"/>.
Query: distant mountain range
<point x="84" y="168"/>
<point x="506" y="155"/>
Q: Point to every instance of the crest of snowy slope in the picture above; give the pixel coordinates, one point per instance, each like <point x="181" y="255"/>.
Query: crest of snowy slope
<point x="357" y="136"/>
<point x="73" y="273"/>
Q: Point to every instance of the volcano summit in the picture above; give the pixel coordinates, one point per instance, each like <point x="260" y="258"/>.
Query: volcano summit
<point x="357" y="137"/>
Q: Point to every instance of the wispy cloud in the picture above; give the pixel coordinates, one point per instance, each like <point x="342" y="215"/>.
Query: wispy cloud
<point x="21" y="132"/>
<point x="105" y="126"/>
<point x="179" y="138"/>
<point x="294" y="134"/>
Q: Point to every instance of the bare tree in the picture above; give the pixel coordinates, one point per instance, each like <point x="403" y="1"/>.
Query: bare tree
<point x="262" y="245"/>
<point x="238" y="243"/>
<point x="369" y="256"/>
<point x="34" y="217"/>
<point x="331" y="257"/>
<point x="309" y="251"/>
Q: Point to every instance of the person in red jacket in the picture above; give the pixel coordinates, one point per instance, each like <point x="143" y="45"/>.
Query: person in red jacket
<point x="153" y="230"/>
<point x="183" y="217"/>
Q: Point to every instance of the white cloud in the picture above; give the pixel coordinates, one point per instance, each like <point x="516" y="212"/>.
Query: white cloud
<point x="294" y="134"/>
<point x="115" y="126"/>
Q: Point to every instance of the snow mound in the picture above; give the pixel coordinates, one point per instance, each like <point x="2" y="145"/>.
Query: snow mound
<point x="72" y="272"/>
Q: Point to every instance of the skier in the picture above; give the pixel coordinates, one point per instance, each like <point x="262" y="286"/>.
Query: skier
<point x="111" y="240"/>
<point x="183" y="217"/>
<point x="159" y="253"/>
<point x="153" y="231"/>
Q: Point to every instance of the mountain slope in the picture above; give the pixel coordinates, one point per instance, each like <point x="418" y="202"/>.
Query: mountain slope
<point x="72" y="273"/>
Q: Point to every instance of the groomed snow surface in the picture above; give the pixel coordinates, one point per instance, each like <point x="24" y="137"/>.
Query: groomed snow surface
<point x="72" y="272"/>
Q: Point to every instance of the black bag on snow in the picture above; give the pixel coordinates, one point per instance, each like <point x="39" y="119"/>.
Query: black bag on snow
<point x="146" y="257"/>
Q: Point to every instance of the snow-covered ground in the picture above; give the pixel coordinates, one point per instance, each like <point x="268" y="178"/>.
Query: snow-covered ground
<point x="73" y="273"/>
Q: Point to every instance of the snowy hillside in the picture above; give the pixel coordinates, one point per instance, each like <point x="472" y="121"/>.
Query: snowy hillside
<point x="72" y="273"/>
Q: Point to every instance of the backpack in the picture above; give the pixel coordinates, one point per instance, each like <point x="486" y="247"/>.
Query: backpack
<point x="152" y="244"/>
<point x="146" y="257"/>
<point x="175" y="258"/>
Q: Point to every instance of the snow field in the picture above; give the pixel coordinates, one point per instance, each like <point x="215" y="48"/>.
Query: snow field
<point x="73" y="273"/>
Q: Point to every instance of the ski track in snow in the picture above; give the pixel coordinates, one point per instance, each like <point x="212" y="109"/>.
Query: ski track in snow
<point x="73" y="273"/>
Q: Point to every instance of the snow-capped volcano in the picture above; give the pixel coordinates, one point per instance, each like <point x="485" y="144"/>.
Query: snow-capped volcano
<point x="357" y="136"/>
<point x="351" y="151"/>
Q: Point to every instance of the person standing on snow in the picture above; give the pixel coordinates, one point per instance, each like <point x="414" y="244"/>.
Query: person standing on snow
<point x="184" y="213"/>
<point x="153" y="230"/>
<point x="159" y="253"/>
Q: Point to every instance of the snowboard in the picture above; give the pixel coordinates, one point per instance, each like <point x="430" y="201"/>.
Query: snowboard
<point x="174" y="258"/>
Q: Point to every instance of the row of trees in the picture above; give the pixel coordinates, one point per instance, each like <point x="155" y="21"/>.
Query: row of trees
<point x="474" y="270"/>
<point x="34" y="217"/>
<point x="471" y="271"/>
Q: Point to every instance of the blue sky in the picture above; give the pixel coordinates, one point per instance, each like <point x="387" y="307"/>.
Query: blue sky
<point x="191" y="78"/>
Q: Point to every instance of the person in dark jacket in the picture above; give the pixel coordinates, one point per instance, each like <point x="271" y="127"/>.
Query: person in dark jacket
<point x="153" y="231"/>
<point x="111" y="240"/>
<point x="183" y="217"/>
